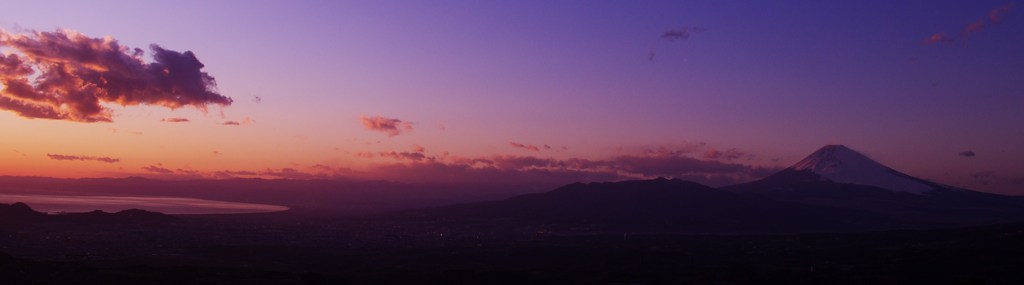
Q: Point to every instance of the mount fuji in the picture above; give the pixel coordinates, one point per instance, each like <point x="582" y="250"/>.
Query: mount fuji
<point x="834" y="189"/>
<point x="837" y="176"/>
<point x="840" y="164"/>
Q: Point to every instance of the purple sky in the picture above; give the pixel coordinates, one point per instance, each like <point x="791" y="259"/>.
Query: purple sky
<point x="774" y="80"/>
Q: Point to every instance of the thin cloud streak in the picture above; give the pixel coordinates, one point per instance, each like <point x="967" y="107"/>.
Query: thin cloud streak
<point x="82" y="158"/>
<point x="175" y="120"/>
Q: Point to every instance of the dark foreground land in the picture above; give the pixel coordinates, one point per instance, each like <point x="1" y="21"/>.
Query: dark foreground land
<point x="295" y="248"/>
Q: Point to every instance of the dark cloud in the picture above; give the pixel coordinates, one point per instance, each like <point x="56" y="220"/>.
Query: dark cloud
<point x="287" y="173"/>
<point x="529" y="147"/>
<point x="246" y="121"/>
<point x="681" y="33"/>
<point x="175" y="120"/>
<point x="675" y="35"/>
<point x="968" y="153"/>
<point x="189" y="172"/>
<point x="65" y="75"/>
<point x="391" y="126"/>
<point x="158" y="169"/>
<point x="729" y="154"/>
<point x="413" y="156"/>
<point x="232" y="173"/>
<point x="82" y="158"/>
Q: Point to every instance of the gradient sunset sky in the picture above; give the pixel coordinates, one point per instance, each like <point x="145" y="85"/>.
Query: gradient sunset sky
<point x="553" y="91"/>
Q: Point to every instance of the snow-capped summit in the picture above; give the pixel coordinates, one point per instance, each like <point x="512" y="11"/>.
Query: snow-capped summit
<point x="838" y="163"/>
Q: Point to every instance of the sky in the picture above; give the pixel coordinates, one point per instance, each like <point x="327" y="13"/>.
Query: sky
<point x="719" y="92"/>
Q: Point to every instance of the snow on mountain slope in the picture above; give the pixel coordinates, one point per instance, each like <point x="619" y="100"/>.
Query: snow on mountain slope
<point x="840" y="164"/>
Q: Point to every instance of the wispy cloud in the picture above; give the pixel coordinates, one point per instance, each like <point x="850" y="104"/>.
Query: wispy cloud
<point x="673" y="35"/>
<point x="65" y="75"/>
<point x="391" y="126"/>
<point x="418" y="148"/>
<point x="729" y="154"/>
<point x="681" y="33"/>
<point x="412" y="156"/>
<point x="246" y="121"/>
<point x="175" y="120"/>
<point x="82" y="158"/>
<point x="995" y="16"/>
<point x="938" y="38"/>
<point x="529" y="147"/>
<point x="158" y="169"/>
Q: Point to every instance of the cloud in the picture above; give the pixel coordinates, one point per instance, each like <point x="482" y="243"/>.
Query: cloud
<point x="158" y="169"/>
<point x="729" y="154"/>
<point x="82" y="158"/>
<point x="529" y="147"/>
<point x="996" y="15"/>
<point x="175" y="120"/>
<point x="65" y="75"/>
<point x="413" y="156"/>
<point x="938" y="38"/>
<point x="972" y="28"/>
<point x="237" y="123"/>
<point x="391" y="126"/>
<point x="681" y="33"/>
<point x="665" y="162"/>
<point x="968" y="153"/>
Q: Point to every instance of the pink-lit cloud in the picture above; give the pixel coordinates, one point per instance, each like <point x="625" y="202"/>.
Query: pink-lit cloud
<point x="391" y="126"/>
<point x="996" y="15"/>
<point x="65" y="75"/>
<point x="82" y="158"/>
<point x="418" y="148"/>
<point x="938" y="38"/>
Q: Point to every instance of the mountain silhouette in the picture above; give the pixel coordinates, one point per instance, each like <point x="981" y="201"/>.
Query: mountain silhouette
<point x="20" y="214"/>
<point x="658" y="205"/>
<point x="837" y="176"/>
